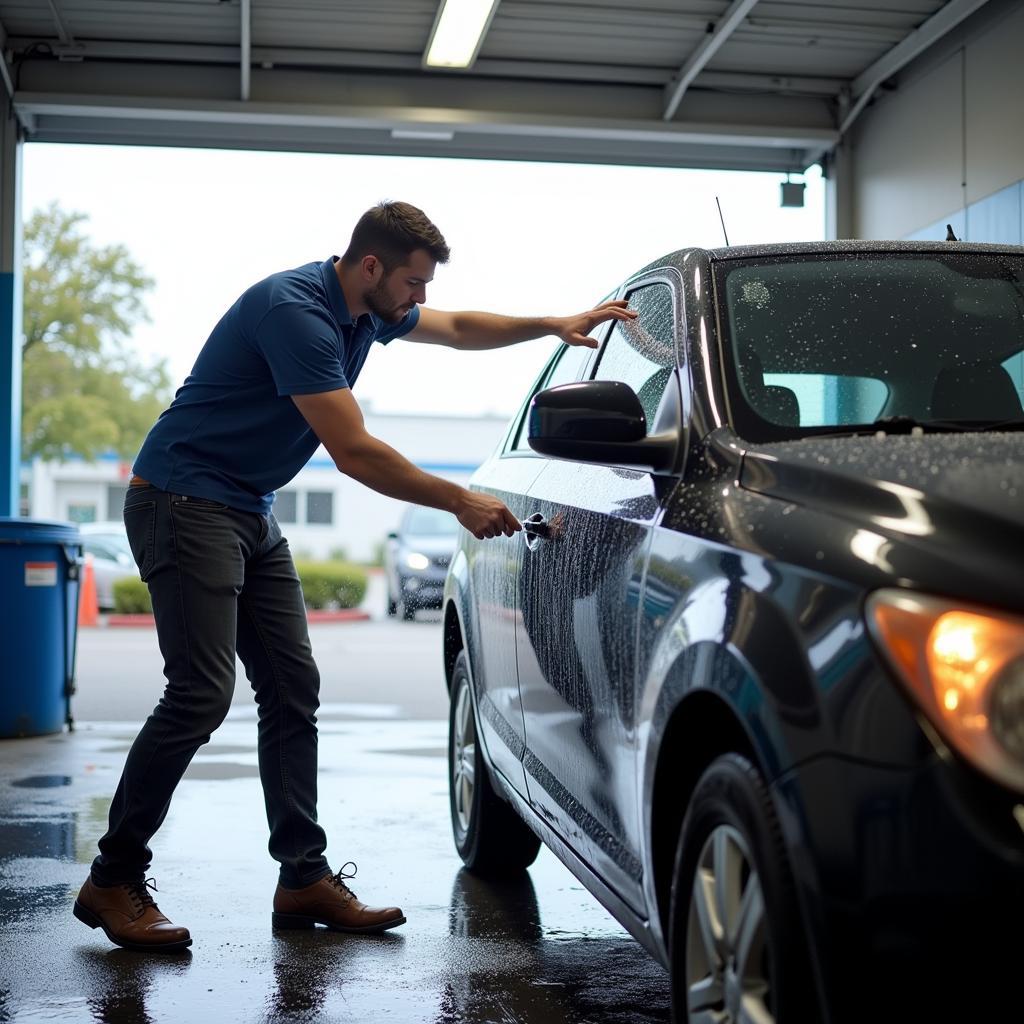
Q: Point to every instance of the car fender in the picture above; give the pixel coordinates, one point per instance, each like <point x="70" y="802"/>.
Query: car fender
<point x="696" y="663"/>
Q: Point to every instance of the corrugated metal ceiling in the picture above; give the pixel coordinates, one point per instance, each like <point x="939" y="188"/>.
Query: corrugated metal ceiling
<point x="573" y="79"/>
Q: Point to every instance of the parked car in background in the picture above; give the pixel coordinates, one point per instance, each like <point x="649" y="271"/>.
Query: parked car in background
<point x="111" y="558"/>
<point x="754" y="669"/>
<point x="416" y="558"/>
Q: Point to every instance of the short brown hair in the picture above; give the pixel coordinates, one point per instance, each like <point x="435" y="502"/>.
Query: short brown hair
<point x="391" y="232"/>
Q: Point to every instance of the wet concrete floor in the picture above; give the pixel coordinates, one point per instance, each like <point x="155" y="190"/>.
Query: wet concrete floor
<point x="539" y="950"/>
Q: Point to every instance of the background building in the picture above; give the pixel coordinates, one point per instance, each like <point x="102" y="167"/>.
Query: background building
<point x="321" y="511"/>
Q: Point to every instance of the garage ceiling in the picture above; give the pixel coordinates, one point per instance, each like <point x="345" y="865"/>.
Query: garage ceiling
<point x="751" y="84"/>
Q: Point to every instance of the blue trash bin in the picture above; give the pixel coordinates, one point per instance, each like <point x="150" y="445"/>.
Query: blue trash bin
<point x="40" y="565"/>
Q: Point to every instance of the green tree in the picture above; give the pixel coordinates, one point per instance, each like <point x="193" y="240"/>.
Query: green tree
<point x="84" y="391"/>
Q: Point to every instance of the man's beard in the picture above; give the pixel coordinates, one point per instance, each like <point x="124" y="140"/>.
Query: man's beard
<point x="378" y="301"/>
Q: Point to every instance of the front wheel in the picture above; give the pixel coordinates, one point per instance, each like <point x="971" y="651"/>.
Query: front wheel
<point x="492" y="840"/>
<point x="736" y="942"/>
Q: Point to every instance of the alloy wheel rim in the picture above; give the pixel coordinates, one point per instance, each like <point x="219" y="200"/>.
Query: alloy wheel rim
<point x="727" y="948"/>
<point x="463" y="767"/>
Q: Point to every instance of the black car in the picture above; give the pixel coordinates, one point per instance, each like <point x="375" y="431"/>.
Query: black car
<point x="754" y="669"/>
<point x="416" y="559"/>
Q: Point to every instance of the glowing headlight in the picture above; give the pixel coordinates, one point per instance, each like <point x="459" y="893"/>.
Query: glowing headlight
<point x="414" y="560"/>
<point x="964" y="667"/>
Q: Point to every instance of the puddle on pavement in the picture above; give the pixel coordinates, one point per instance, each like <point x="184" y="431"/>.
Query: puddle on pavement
<point x="42" y="781"/>
<point x="535" y="951"/>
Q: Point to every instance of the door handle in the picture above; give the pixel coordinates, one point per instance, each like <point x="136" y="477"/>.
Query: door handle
<point x="535" y="529"/>
<point x="536" y="526"/>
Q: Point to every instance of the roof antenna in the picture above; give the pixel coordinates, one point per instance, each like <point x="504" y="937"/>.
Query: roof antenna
<point x="722" y="219"/>
<point x="950" y="237"/>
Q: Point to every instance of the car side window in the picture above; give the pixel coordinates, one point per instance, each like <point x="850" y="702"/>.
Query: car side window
<point x="641" y="352"/>
<point x="565" y="368"/>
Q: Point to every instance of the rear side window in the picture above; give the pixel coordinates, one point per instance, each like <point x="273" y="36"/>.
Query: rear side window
<point x="641" y="352"/>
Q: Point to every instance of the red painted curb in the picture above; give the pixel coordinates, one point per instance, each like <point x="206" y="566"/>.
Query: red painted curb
<point x="127" y="620"/>
<point x="340" y="615"/>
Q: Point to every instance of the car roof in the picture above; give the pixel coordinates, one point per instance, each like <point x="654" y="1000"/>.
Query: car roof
<point x="843" y="246"/>
<point x="113" y="526"/>
<point x="678" y="258"/>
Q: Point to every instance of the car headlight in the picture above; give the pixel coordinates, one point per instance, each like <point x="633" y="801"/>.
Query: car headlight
<point x="964" y="668"/>
<point x="414" y="560"/>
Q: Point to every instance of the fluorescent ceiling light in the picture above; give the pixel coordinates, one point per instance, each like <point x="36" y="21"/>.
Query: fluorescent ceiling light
<point x="458" y="31"/>
<point x="425" y="134"/>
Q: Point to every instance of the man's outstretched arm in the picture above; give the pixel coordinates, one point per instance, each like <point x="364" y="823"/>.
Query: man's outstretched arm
<point x="337" y="420"/>
<point x="472" y="331"/>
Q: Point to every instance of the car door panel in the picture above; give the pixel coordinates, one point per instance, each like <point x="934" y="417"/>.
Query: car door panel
<point x="493" y="569"/>
<point x="576" y="653"/>
<point x="579" y="601"/>
<point x="494" y="573"/>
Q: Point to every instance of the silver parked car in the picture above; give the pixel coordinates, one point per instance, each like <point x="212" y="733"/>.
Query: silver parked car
<point x="416" y="559"/>
<point x="111" y="558"/>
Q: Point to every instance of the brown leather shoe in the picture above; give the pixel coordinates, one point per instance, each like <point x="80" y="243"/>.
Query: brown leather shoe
<point x="332" y="903"/>
<point x="129" y="916"/>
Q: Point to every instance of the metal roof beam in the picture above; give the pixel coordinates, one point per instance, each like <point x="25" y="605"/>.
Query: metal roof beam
<point x="434" y="131"/>
<point x="246" y="56"/>
<point x="5" y="71"/>
<point x="921" y="39"/>
<point x="313" y="57"/>
<point x="725" y="27"/>
<point x="273" y="57"/>
<point x="65" y="36"/>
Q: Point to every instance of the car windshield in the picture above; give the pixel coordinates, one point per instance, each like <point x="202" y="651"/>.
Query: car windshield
<point x="431" y="522"/>
<point x="817" y="344"/>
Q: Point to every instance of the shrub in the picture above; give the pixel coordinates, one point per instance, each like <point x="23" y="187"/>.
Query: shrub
<point x="131" y="596"/>
<point x="331" y="583"/>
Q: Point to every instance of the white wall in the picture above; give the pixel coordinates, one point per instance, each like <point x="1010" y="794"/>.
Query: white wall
<point x="949" y="136"/>
<point x="448" y="446"/>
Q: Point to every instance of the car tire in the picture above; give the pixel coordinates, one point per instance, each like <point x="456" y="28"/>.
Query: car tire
<point x="408" y="610"/>
<point x="392" y="606"/>
<point x="492" y="840"/>
<point x="741" y="941"/>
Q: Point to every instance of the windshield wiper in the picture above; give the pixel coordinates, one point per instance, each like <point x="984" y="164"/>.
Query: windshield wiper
<point x="907" y="425"/>
<point x="895" y="425"/>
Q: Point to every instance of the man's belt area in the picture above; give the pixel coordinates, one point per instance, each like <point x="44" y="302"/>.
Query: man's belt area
<point x="137" y="481"/>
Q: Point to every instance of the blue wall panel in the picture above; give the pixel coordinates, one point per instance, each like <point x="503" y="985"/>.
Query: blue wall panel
<point x="937" y="232"/>
<point x="996" y="218"/>
<point x="10" y="389"/>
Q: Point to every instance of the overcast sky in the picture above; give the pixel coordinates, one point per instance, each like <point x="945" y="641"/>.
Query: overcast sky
<point x="526" y="239"/>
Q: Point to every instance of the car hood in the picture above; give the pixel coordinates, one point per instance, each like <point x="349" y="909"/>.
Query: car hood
<point x="945" y="484"/>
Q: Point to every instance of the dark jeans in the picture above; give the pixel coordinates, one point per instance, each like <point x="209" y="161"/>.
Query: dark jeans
<point x="221" y="581"/>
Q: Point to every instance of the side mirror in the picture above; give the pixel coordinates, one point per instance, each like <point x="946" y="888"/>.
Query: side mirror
<point x="598" y="421"/>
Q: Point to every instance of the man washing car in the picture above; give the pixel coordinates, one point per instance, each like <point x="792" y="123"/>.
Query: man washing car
<point x="272" y="383"/>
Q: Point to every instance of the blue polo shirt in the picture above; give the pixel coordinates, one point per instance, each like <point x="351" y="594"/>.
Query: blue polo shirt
<point x="232" y="433"/>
